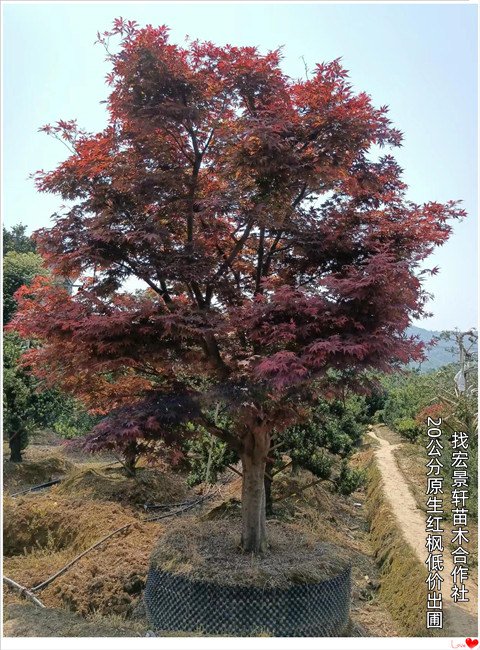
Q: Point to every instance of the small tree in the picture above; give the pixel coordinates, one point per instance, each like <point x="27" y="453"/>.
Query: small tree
<point x="18" y="269"/>
<point x="18" y="397"/>
<point x="15" y="239"/>
<point x="20" y="266"/>
<point x="28" y="406"/>
<point x="272" y="246"/>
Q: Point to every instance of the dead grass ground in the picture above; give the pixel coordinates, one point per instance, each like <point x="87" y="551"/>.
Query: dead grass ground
<point x="209" y="551"/>
<point x="43" y="523"/>
<point x="22" y="476"/>
<point x="24" y="620"/>
<point x="149" y="485"/>
<point x="46" y="530"/>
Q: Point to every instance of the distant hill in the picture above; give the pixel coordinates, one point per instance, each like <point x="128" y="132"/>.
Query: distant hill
<point x="437" y="356"/>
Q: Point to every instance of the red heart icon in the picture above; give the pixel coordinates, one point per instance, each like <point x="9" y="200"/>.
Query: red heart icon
<point x="471" y="642"/>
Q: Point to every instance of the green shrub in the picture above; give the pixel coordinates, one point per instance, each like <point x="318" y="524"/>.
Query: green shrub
<point x="207" y="458"/>
<point x="408" y="428"/>
<point x="349" y="479"/>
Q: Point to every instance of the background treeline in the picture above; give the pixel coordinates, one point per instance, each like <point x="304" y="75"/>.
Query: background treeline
<point x="28" y="406"/>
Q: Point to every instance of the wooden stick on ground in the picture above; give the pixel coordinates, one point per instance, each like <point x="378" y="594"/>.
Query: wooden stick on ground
<point x="46" y="582"/>
<point x="24" y="592"/>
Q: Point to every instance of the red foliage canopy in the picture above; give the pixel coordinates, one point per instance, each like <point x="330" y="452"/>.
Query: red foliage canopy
<point x="274" y="244"/>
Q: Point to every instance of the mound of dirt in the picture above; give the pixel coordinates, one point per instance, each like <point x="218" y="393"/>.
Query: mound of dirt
<point x="209" y="551"/>
<point x="30" y="620"/>
<point x="28" y="473"/>
<point x="109" y="580"/>
<point x="43" y="533"/>
<point x="147" y="486"/>
<point x="41" y="522"/>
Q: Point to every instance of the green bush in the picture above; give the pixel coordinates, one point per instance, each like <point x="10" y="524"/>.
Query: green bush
<point x="73" y="420"/>
<point x="349" y="479"/>
<point x="408" y="428"/>
<point x="18" y="269"/>
<point x="207" y="456"/>
<point x="331" y="434"/>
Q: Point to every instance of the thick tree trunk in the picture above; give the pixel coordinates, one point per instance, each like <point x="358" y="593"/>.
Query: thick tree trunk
<point x="254" y="538"/>
<point x="254" y="534"/>
<point x="15" y="443"/>
<point x="268" y="490"/>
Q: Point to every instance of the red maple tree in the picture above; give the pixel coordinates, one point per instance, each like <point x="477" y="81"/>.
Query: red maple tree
<point x="274" y="245"/>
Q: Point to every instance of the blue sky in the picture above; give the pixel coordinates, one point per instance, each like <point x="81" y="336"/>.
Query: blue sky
<point x="421" y="60"/>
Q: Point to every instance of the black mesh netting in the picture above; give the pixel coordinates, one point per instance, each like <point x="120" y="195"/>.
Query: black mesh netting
<point x="178" y="603"/>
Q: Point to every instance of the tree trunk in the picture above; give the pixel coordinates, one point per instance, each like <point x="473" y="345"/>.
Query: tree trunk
<point x="15" y="443"/>
<point x="254" y="534"/>
<point x="268" y="490"/>
<point x="130" y="458"/>
<point x="268" y="496"/>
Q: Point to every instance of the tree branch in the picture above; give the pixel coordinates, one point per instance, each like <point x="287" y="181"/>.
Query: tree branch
<point x="259" y="272"/>
<point x="225" y="265"/>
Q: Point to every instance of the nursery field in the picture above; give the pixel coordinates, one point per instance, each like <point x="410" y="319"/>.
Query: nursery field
<point x="220" y="415"/>
<point x="101" y="593"/>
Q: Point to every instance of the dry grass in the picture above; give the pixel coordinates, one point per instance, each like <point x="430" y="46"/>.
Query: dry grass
<point x="42" y="522"/>
<point x="47" y="530"/>
<point x="20" y="476"/>
<point x="148" y="486"/>
<point x="24" y="620"/>
<point x="43" y="533"/>
<point x="403" y="587"/>
<point x="210" y="551"/>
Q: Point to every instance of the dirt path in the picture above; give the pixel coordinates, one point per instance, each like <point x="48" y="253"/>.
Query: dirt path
<point x="460" y="619"/>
